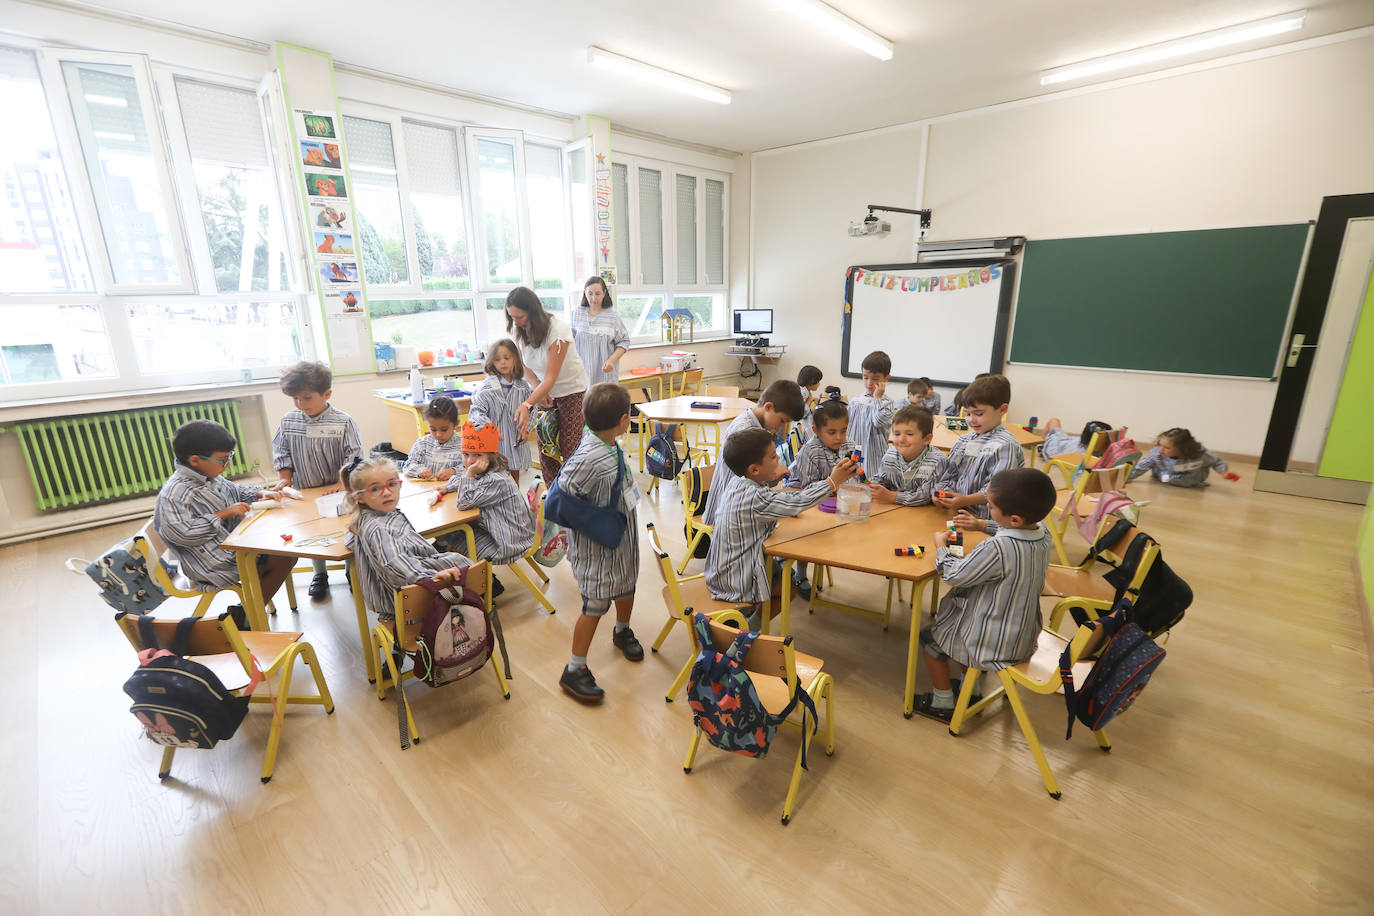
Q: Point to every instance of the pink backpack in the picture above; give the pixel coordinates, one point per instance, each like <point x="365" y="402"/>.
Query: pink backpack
<point x="550" y="538"/>
<point x="1122" y="451"/>
<point x="456" y="638"/>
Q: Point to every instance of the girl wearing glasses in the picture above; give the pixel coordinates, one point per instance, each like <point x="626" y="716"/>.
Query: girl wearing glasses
<point x="389" y="552"/>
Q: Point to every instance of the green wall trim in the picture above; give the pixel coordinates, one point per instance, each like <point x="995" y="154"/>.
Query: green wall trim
<point x="1349" y="450"/>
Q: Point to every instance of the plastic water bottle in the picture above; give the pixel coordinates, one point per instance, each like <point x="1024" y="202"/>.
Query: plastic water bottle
<point x="854" y="502"/>
<point x="417" y="384"/>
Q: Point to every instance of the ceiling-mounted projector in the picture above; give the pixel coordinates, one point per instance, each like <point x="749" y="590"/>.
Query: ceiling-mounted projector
<point x="870" y="225"/>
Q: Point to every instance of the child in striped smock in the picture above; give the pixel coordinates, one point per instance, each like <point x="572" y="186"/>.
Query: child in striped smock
<point x="780" y="405"/>
<point x="809" y="381"/>
<point x="388" y="552"/>
<point x="597" y="473"/>
<point x="986" y="449"/>
<point x="1057" y="442"/>
<point x="439" y="454"/>
<point x="498" y="399"/>
<point x="1180" y="461"/>
<point x="598" y="333"/>
<point x="829" y="443"/>
<point x="506" y="529"/>
<point x="911" y="465"/>
<point x="314" y="441"/>
<point x="870" y="414"/>
<point x="990" y="618"/>
<point x="922" y="393"/>
<point x="748" y="513"/>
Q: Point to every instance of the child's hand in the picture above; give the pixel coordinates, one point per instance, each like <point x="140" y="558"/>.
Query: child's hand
<point x="522" y="419"/>
<point x="446" y="473"/>
<point x="880" y="389"/>
<point x="946" y="501"/>
<point x="609" y="366"/>
<point x="882" y="494"/>
<point x="846" y="469"/>
<point x="941" y="538"/>
<point x="478" y="467"/>
<point x="333" y="488"/>
<point x="234" y="511"/>
<point x="272" y="494"/>
<point x="423" y="474"/>
<point x="966" y="521"/>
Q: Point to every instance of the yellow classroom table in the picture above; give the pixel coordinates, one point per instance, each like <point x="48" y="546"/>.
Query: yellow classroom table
<point x="405" y="420"/>
<point x="821" y="538"/>
<point x="314" y="537"/>
<point x="680" y="410"/>
<point x="944" y="438"/>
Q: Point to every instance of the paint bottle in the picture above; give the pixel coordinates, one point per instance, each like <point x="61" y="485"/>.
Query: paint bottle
<point x="417" y="384"/>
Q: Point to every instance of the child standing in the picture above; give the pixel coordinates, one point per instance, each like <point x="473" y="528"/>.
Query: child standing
<point x="829" y="444"/>
<point x="1057" y="442"/>
<point x="598" y="333"/>
<point x="780" y="405"/>
<point x="438" y="454"/>
<point x="506" y="529"/>
<point x="911" y="465"/>
<point x="922" y="393"/>
<point x="197" y="508"/>
<point x="498" y="400"/>
<point x="748" y="513"/>
<point x="870" y="414"/>
<point x="1180" y="461"/>
<point x="313" y="441"/>
<point x="983" y="451"/>
<point x="809" y="381"/>
<point x="597" y="473"/>
<point x="990" y="619"/>
<point x="390" y="554"/>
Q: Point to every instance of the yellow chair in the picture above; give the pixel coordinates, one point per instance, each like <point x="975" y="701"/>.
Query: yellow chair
<point x="689" y="382"/>
<point x="529" y="560"/>
<point x="1083" y="581"/>
<point x="695" y="484"/>
<point x="682" y="598"/>
<point x="721" y="391"/>
<point x="1040" y="674"/>
<point x="219" y="645"/>
<point x="391" y="638"/>
<point x="1068" y="462"/>
<point x="1076" y="502"/>
<point x="149" y="543"/>
<point x="776" y="670"/>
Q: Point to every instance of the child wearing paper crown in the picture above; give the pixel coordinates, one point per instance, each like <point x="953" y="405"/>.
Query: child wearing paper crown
<point x="506" y="529"/>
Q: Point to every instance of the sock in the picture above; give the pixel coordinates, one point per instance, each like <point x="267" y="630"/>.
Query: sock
<point x="622" y="625"/>
<point x="943" y="699"/>
<point x="576" y="661"/>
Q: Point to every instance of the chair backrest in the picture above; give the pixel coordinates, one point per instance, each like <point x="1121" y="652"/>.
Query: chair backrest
<point x="670" y="579"/>
<point x="770" y="655"/>
<point x="153" y="548"/>
<point x="1104" y="480"/>
<point x="209" y="635"/>
<point x="413" y="603"/>
<point x="695" y="482"/>
<point x="722" y="391"/>
<point x="690" y="382"/>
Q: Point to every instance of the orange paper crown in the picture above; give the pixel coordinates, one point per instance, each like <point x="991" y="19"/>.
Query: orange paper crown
<point x="484" y="438"/>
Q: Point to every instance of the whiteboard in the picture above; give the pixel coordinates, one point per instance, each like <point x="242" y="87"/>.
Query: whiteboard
<point x="947" y="322"/>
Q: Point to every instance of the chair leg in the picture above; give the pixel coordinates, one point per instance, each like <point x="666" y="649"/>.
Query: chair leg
<point x="381" y="651"/>
<point x="681" y="679"/>
<point x="534" y="590"/>
<point x="663" y="634"/>
<point x="269" y="762"/>
<point x="290" y="591"/>
<point x="971" y="676"/>
<point x="1017" y="707"/>
<point x="313" y="663"/>
<point x="164" y="769"/>
<point x="829" y="693"/>
<point x="796" y="778"/>
<point x="697" y="534"/>
<point x="538" y="570"/>
<point x="500" y="674"/>
<point x="692" y="751"/>
<point x="1103" y="741"/>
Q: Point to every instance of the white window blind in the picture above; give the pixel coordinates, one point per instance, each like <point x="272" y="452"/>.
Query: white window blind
<point x="223" y="124"/>
<point x="620" y="205"/>
<point x="370" y="153"/>
<point x="715" y="231"/>
<point x="431" y="158"/>
<point x="651" y="226"/>
<point x="686" y="224"/>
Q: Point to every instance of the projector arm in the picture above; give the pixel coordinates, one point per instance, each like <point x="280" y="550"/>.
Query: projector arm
<point x="923" y="214"/>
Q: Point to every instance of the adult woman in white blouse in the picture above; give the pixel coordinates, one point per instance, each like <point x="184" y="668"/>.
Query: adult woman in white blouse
<point x="552" y="366"/>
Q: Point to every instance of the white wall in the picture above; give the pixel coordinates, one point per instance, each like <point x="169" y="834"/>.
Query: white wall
<point x="1254" y="142"/>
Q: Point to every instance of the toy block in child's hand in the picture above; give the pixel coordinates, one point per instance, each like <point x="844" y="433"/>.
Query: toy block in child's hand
<point x="1231" y="475"/>
<point x="944" y="494"/>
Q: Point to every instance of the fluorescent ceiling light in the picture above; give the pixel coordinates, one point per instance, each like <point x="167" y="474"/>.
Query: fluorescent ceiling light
<point x="657" y="75"/>
<point x="113" y="100"/>
<point x="840" y="26"/>
<point x="1192" y="44"/>
<point x="111" y="135"/>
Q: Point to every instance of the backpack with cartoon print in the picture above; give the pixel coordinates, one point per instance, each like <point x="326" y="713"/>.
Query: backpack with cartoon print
<point x="125" y="582"/>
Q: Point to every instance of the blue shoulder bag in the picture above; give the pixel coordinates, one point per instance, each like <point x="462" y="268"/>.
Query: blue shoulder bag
<point x="604" y="524"/>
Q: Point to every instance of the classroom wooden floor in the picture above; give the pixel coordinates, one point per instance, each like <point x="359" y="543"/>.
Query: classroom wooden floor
<point x="1241" y="782"/>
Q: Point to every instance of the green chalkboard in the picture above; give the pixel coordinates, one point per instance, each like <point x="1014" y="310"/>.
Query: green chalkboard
<point x="1209" y="302"/>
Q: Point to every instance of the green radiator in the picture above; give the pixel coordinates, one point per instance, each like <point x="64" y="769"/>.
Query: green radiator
<point x="81" y="460"/>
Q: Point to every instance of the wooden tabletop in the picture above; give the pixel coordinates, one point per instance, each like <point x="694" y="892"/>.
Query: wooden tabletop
<point x="262" y="531"/>
<point x="868" y="547"/>
<point x="679" y="410"/>
<point x="813" y="520"/>
<point x="946" y="437"/>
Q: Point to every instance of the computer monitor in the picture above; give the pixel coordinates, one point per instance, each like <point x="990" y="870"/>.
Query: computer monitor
<point x="754" y="321"/>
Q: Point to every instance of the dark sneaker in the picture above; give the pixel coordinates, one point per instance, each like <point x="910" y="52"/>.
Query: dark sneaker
<point x="803" y="587"/>
<point x="957" y="683"/>
<point x="924" y="707"/>
<point x="625" y="641"/>
<point x="581" y="685"/>
<point x="497" y="589"/>
<point x="319" y="585"/>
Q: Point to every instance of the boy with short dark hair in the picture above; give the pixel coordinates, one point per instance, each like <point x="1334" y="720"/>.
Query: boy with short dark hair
<point x="990" y="619"/>
<point x="808" y="380"/>
<point x="780" y="405"/>
<point x="597" y="473"/>
<point x="314" y="441"/>
<point x="921" y="392"/>
<point x="748" y="513"/>
<point x="870" y="414"/>
<point x="985" y="450"/>
<point x="911" y="465"/>
<point x="197" y="508"/>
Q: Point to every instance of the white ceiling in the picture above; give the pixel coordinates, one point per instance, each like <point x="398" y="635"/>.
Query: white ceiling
<point x="790" y="81"/>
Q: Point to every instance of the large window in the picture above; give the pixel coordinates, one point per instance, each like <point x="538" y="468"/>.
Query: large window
<point x="377" y="201"/>
<point x="436" y="199"/>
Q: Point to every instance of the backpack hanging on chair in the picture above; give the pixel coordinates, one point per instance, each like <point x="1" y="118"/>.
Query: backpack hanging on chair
<point x="725" y="704"/>
<point x="660" y="456"/>
<point x="125" y="582"/>
<point x="1122" y="669"/>
<point x="456" y="638"/>
<point x="181" y="703"/>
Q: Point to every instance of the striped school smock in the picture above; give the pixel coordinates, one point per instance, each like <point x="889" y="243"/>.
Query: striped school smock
<point x="506" y="529"/>
<point x="315" y="448"/>
<point x="592" y="473"/>
<point x="185" y="518"/>
<point x="390" y="554"/>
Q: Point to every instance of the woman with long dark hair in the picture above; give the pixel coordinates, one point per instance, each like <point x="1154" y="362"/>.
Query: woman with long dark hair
<point x="552" y="366"/>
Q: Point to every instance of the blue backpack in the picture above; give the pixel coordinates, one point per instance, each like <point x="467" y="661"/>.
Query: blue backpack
<point x="1122" y="670"/>
<point x="725" y="705"/>
<point x="123" y="577"/>
<point x="660" y="456"/>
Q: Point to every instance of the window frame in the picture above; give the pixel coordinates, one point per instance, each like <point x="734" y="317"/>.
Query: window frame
<point x="471" y="134"/>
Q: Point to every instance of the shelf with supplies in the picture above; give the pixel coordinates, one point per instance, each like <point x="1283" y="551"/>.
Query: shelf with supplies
<point x="766" y="355"/>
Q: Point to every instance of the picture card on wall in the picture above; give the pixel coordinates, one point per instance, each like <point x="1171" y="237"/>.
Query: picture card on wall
<point x="345" y="337"/>
<point x="339" y="272"/>
<point x="332" y="243"/>
<point x="321" y="154"/>
<point x="321" y="184"/>
<point x="343" y="302"/>
<point x="316" y="124"/>
<point x="329" y="214"/>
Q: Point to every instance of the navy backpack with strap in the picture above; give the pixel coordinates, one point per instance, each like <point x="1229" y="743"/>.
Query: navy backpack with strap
<point x="1122" y="669"/>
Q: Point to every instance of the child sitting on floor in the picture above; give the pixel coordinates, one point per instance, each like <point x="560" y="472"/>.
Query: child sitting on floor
<point x="1180" y="461"/>
<point x="748" y="513"/>
<point x="990" y="619"/>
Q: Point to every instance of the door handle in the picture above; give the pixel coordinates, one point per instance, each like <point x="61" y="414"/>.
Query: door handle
<point x="1295" y="348"/>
